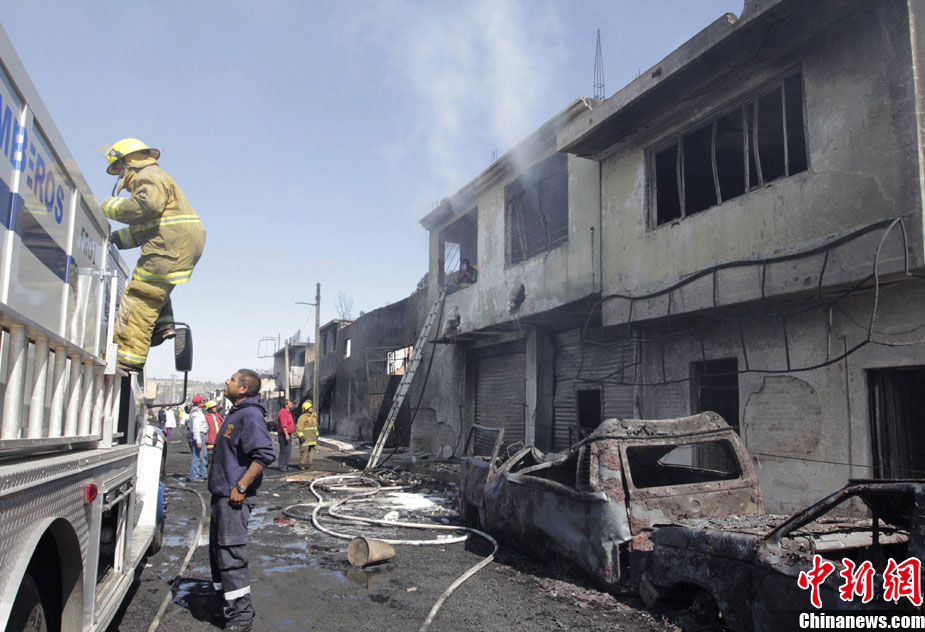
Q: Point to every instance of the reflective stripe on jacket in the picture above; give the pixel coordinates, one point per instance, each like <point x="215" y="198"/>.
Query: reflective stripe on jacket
<point x="161" y="221"/>
<point x="307" y="428"/>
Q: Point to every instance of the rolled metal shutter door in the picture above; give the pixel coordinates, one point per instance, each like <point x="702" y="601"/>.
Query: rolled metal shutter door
<point x="500" y="392"/>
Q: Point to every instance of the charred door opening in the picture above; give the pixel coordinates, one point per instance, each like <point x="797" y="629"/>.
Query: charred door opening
<point x="589" y="408"/>
<point x="715" y="387"/>
<point x="897" y="418"/>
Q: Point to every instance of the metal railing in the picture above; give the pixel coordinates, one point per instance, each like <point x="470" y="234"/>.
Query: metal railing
<point x="54" y="392"/>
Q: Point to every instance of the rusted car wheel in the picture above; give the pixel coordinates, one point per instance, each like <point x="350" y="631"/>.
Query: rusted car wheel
<point x="704" y="609"/>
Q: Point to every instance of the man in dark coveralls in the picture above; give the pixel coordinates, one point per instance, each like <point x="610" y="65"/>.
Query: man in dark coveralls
<point x="242" y="450"/>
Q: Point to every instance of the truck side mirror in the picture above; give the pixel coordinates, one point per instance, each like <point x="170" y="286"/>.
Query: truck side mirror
<point x="183" y="348"/>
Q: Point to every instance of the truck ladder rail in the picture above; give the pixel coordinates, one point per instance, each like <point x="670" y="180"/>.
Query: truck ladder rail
<point x="406" y="379"/>
<point x="67" y="393"/>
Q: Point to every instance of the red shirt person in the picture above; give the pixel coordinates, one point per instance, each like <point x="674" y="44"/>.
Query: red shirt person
<point x="214" y="422"/>
<point x="285" y="428"/>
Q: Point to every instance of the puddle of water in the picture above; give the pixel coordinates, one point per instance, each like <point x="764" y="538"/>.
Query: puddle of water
<point x="273" y="570"/>
<point x="184" y="540"/>
<point x="187" y="588"/>
<point x="259" y="519"/>
<point x="345" y="596"/>
<point x="374" y="578"/>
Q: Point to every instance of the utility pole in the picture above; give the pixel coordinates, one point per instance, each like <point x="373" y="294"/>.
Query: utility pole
<point x="316" y="399"/>
<point x="316" y="380"/>
<point x="286" y="379"/>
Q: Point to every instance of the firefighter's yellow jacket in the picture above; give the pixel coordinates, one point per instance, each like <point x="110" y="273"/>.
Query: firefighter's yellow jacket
<point x="306" y="429"/>
<point x="160" y="220"/>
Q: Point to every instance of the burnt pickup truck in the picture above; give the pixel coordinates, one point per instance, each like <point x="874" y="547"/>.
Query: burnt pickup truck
<point x="747" y="569"/>
<point x="597" y="502"/>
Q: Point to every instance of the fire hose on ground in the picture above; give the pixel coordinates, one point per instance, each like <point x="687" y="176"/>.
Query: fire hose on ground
<point x="377" y="487"/>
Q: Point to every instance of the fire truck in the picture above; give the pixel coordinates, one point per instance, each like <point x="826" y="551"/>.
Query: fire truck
<point x="81" y="471"/>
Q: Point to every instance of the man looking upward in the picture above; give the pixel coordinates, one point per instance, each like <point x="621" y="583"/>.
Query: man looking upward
<point x="243" y="449"/>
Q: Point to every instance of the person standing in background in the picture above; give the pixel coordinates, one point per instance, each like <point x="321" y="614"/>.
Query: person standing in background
<point x="170" y="420"/>
<point x="307" y="432"/>
<point x="214" y="423"/>
<point x="284" y="431"/>
<point x="197" y="440"/>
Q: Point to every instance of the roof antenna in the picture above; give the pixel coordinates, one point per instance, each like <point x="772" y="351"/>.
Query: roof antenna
<point x="599" y="70"/>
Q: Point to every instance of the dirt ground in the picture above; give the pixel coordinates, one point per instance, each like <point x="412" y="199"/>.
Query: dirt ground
<point x="302" y="580"/>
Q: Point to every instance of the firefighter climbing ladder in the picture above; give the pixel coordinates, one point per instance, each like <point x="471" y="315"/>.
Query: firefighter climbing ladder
<point x="406" y="379"/>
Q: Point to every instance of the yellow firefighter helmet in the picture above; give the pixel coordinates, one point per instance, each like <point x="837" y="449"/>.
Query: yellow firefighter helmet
<point x="123" y="148"/>
<point x="306" y="405"/>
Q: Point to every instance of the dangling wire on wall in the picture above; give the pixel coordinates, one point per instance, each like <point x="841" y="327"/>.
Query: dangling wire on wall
<point x="776" y="311"/>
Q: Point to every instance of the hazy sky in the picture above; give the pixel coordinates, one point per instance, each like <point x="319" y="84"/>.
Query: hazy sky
<point x="312" y="136"/>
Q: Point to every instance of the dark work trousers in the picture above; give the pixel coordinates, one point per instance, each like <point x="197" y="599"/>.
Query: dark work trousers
<point x="284" y="450"/>
<point x="228" y="557"/>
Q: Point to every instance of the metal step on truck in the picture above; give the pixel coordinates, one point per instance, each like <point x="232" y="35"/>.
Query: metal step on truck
<point x="81" y="471"/>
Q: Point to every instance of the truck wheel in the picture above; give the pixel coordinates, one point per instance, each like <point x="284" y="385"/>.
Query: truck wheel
<point x="28" y="614"/>
<point x="703" y="608"/>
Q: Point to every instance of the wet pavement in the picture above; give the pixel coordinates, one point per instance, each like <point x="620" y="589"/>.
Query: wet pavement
<point x="301" y="578"/>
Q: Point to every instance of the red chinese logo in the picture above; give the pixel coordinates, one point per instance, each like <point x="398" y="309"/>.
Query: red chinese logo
<point x="900" y="580"/>
<point x="903" y="580"/>
<point x="812" y="578"/>
<point x="858" y="582"/>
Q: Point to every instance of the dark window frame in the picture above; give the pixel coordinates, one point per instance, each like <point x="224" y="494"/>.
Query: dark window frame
<point x="793" y="139"/>
<point x="458" y="241"/>
<point x="548" y="228"/>
<point x="894" y="397"/>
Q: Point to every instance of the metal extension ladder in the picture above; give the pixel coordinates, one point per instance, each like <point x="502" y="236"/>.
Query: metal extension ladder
<point x="406" y="379"/>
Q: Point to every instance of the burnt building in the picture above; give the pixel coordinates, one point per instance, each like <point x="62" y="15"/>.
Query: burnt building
<point x="739" y="229"/>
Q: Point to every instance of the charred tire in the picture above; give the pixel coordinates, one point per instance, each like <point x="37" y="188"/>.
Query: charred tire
<point x="704" y="609"/>
<point x="28" y="613"/>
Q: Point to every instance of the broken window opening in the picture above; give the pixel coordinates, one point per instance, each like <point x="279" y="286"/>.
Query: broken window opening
<point x="347" y="348"/>
<point x="668" y="200"/>
<point x="536" y="207"/>
<point x="699" y="190"/>
<point x="669" y="465"/>
<point x="459" y="248"/>
<point x="897" y="416"/>
<point x="715" y="387"/>
<point x="560" y="472"/>
<point x="739" y="150"/>
<point x="331" y="339"/>
<point x="397" y="361"/>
